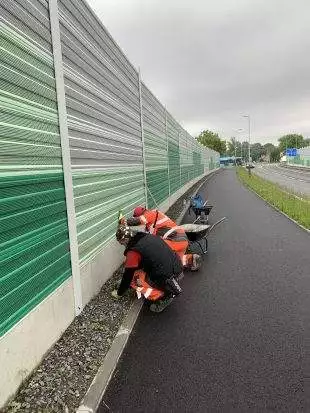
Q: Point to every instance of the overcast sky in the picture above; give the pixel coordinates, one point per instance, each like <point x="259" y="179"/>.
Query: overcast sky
<point x="211" y="61"/>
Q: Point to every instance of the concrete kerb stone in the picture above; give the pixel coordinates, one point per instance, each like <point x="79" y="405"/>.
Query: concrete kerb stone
<point x="95" y="392"/>
<point x="100" y="382"/>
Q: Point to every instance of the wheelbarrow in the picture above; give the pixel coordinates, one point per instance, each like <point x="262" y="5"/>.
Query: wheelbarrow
<point x="197" y="234"/>
<point x="201" y="212"/>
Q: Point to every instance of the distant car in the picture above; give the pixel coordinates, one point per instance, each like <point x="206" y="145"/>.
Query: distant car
<point x="249" y="166"/>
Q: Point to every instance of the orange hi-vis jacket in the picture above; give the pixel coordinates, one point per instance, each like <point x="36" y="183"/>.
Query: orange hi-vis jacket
<point x="142" y="287"/>
<point x="164" y="226"/>
<point x="167" y="229"/>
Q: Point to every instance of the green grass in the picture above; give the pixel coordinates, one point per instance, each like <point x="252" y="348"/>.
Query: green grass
<point x="295" y="208"/>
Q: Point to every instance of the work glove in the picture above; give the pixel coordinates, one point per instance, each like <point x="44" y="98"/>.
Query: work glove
<point x="115" y="295"/>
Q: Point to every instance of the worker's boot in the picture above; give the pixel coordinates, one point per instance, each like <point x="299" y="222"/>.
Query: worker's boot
<point x="173" y="287"/>
<point x="197" y="262"/>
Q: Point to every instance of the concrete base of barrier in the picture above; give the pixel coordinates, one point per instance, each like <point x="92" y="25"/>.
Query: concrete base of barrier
<point x="22" y="348"/>
<point x="97" y="271"/>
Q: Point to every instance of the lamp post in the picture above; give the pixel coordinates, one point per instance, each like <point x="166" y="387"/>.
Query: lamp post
<point x="249" y="129"/>
<point x="235" y="149"/>
<point x="239" y="130"/>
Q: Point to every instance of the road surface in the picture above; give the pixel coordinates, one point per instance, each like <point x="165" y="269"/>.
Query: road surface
<point x="294" y="180"/>
<point x="234" y="341"/>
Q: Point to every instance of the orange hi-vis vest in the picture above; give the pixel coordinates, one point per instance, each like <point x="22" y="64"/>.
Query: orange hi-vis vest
<point x="142" y="288"/>
<point x="163" y="225"/>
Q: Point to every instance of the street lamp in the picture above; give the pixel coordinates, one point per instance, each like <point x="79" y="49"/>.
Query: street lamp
<point x="249" y="126"/>
<point x="235" y="149"/>
<point x="240" y="130"/>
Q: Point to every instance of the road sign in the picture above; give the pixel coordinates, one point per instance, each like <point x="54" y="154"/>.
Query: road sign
<point x="291" y="152"/>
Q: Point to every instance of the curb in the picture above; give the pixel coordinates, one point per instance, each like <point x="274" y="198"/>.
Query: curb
<point x="96" y="390"/>
<point x="94" y="394"/>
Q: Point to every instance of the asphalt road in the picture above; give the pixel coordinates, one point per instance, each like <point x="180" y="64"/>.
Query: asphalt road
<point x="234" y="341"/>
<point x="295" y="180"/>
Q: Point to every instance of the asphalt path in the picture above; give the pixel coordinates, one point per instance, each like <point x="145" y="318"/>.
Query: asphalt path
<point x="295" y="180"/>
<point x="234" y="341"/>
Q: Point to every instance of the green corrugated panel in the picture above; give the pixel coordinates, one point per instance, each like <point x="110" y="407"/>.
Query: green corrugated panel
<point x="185" y="174"/>
<point x="158" y="185"/>
<point x="174" y="166"/>
<point x="211" y="164"/>
<point x="98" y="198"/>
<point x="173" y="130"/>
<point x="155" y="139"/>
<point x="198" y="165"/>
<point x="305" y="156"/>
<point x="185" y="162"/>
<point x="34" y="244"/>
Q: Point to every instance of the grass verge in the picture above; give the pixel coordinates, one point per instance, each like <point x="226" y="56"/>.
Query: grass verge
<point x="295" y="208"/>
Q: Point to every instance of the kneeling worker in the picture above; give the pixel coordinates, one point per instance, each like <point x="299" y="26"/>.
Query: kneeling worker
<point x="151" y="268"/>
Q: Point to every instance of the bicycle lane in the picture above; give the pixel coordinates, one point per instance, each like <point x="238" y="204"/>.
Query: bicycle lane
<point x="234" y="340"/>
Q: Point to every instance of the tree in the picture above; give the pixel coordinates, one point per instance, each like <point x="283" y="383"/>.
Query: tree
<point x="245" y="151"/>
<point x="291" y="141"/>
<point x="268" y="147"/>
<point x="213" y="141"/>
<point x="275" y="155"/>
<point x="257" y="152"/>
<point x="234" y="147"/>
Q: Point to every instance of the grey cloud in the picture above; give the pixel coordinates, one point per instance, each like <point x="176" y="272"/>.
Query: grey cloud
<point x="210" y="61"/>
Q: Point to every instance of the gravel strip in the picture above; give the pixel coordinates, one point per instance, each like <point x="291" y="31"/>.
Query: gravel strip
<point x="62" y="379"/>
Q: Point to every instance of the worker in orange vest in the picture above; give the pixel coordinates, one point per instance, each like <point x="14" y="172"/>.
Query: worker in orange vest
<point x="151" y="268"/>
<point x="157" y="223"/>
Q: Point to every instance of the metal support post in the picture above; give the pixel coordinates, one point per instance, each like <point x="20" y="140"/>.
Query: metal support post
<point x="65" y="149"/>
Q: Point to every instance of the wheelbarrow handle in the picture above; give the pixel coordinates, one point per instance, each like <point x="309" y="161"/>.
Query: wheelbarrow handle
<point x="216" y="224"/>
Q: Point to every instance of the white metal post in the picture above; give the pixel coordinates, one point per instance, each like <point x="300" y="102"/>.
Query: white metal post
<point x="249" y="120"/>
<point x="142" y="138"/>
<point x="249" y="131"/>
<point x="65" y="149"/>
